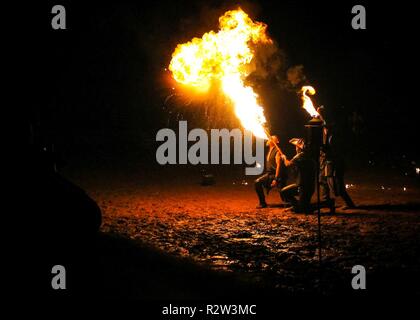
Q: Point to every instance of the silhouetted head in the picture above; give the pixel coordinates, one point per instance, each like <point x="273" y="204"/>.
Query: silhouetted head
<point x="274" y="140"/>
<point x="299" y="143"/>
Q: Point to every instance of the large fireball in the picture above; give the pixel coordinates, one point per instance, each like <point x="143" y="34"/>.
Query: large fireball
<point x="223" y="56"/>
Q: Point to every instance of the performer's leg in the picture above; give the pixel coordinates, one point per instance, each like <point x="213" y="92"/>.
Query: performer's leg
<point x="281" y="186"/>
<point x="343" y="192"/>
<point x="324" y="188"/>
<point x="289" y="194"/>
<point x="259" y="188"/>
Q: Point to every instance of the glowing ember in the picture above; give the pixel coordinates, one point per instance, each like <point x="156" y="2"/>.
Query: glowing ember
<point x="224" y="56"/>
<point x="307" y="102"/>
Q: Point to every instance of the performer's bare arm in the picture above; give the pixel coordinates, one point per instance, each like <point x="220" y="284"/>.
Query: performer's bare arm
<point x="278" y="164"/>
<point x="286" y="162"/>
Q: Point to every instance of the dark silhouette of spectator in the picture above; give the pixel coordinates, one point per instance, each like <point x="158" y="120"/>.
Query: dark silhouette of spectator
<point x="59" y="219"/>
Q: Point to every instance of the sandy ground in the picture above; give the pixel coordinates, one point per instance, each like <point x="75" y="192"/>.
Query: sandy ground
<point x="219" y="226"/>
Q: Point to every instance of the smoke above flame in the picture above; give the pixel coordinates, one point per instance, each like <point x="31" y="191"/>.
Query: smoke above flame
<point x="307" y="102"/>
<point x="223" y="56"/>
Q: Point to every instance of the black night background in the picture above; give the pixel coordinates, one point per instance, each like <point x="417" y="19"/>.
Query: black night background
<point x="100" y="90"/>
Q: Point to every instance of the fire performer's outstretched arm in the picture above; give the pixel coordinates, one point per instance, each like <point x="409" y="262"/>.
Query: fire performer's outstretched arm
<point x="278" y="165"/>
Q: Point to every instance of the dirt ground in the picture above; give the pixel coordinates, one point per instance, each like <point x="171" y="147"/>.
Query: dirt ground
<point x="218" y="226"/>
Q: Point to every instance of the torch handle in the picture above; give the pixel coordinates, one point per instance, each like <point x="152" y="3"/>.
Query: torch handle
<point x="278" y="149"/>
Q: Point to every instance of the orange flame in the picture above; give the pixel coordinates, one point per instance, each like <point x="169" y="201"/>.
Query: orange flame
<point x="223" y="56"/>
<point x="307" y="102"/>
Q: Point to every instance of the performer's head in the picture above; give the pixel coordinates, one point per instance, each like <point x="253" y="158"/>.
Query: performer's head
<point x="299" y="144"/>
<point x="321" y="111"/>
<point x="272" y="141"/>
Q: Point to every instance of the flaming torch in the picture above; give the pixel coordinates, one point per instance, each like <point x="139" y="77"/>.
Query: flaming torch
<point x="307" y="102"/>
<point x="224" y="57"/>
<point x="314" y="126"/>
<point x="314" y="141"/>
